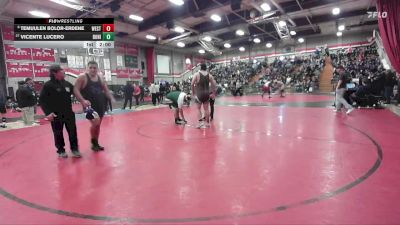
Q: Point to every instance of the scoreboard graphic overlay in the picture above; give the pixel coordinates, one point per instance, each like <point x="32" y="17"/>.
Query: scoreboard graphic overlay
<point x="65" y="33"/>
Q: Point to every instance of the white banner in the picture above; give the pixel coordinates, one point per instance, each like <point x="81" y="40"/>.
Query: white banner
<point x="120" y="61"/>
<point x="107" y="65"/>
<point x="107" y="75"/>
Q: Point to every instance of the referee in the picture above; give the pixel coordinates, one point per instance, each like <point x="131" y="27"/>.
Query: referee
<point x="55" y="100"/>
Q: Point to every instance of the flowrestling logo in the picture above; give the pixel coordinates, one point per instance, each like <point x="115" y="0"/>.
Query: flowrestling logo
<point x="379" y="15"/>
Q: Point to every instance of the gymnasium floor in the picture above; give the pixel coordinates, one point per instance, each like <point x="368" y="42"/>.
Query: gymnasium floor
<point x="280" y="161"/>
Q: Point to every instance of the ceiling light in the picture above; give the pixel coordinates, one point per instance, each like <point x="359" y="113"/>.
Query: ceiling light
<point x="242" y="49"/>
<point x="216" y="18"/>
<point x="341" y="27"/>
<point x="207" y="38"/>
<point x="136" y="18"/>
<point x="201" y="51"/>
<point x="293" y="32"/>
<point x="265" y="7"/>
<point x="177" y="2"/>
<point x="180" y="44"/>
<point x="335" y="11"/>
<point x="282" y="23"/>
<point x="269" y="45"/>
<point x="257" y="40"/>
<point x="39" y="14"/>
<point x="339" y="34"/>
<point x="179" y="30"/>
<point x="301" y="40"/>
<point x="227" y="45"/>
<point x="240" y="32"/>
<point x="69" y="5"/>
<point x="151" y="37"/>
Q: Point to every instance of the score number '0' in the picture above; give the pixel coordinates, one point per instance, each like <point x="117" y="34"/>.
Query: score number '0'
<point x="108" y="27"/>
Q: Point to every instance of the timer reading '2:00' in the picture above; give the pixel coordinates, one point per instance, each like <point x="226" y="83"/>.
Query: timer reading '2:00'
<point x="98" y="44"/>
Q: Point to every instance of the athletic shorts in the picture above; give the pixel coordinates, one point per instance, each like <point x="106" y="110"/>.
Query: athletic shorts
<point x="99" y="107"/>
<point x="265" y="89"/>
<point x="174" y="105"/>
<point x="203" y="98"/>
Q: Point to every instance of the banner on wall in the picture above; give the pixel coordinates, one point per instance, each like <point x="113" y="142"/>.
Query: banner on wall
<point x="8" y="33"/>
<point x="132" y="50"/>
<point x="128" y="73"/>
<point x="122" y="72"/>
<point x="120" y="47"/>
<point x="17" y="53"/>
<point x="135" y="73"/>
<point x="131" y="61"/>
<point x="107" y="75"/>
<point x="43" y="54"/>
<point x="119" y="61"/>
<point x="107" y="64"/>
<point x="19" y="69"/>
<point x="75" y="71"/>
<point x="41" y="70"/>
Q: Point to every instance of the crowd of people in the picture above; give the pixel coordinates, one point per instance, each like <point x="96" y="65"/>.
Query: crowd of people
<point x="301" y="73"/>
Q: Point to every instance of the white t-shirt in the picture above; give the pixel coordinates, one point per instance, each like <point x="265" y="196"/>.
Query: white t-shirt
<point x="157" y="88"/>
<point x="181" y="99"/>
<point x="152" y="89"/>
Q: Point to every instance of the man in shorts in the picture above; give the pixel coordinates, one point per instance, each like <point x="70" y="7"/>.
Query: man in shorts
<point x="201" y="93"/>
<point x="266" y="88"/>
<point x="90" y="90"/>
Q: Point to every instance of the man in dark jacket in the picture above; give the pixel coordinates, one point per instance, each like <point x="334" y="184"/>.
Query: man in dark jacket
<point x="141" y="93"/>
<point x="3" y="110"/>
<point x="390" y="82"/>
<point x="26" y="98"/>
<point x="55" y="100"/>
<point x="128" y="94"/>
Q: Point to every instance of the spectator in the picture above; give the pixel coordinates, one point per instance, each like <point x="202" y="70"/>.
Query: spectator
<point x="141" y="93"/>
<point x="27" y="99"/>
<point x="136" y="93"/>
<point x="109" y="108"/>
<point x="162" y="92"/>
<point x="128" y="93"/>
<point x="157" y="89"/>
<point x="3" y="110"/>
<point x="390" y="82"/>
<point x="153" y="93"/>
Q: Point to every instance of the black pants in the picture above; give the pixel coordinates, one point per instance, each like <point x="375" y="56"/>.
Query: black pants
<point x="137" y="99"/>
<point x="388" y="94"/>
<point x="58" y="125"/>
<point x="212" y="101"/>
<point x="142" y="97"/>
<point x="158" y="97"/>
<point x="128" y="98"/>
<point x="154" y="98"/>
<point x="108" y="104"/>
